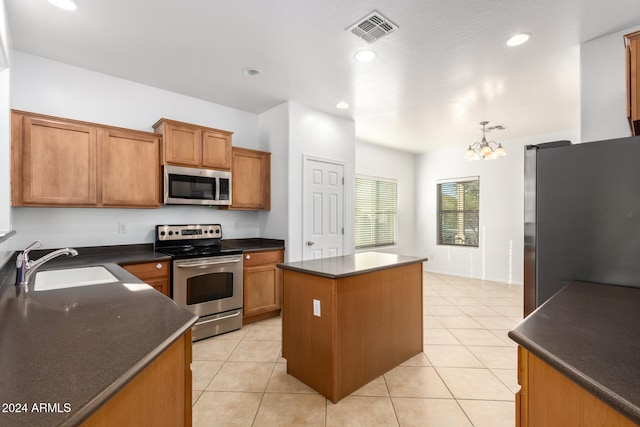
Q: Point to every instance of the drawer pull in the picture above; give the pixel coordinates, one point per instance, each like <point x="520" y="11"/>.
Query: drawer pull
<point x="159" y="266"/>
<point x="248" y="257"/>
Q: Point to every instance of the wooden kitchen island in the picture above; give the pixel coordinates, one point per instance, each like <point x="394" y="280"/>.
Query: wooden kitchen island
<point x="347" y="320"/>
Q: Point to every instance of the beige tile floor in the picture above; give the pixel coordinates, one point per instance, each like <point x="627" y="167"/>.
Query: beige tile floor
<point x="466" y="375"/>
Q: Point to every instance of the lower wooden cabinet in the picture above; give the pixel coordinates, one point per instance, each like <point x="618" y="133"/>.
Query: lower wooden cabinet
<point x="155" y="274"/>
<point x="548" y="398"/>
<point x="160" y="395"/>
<point x="262" y="285"/>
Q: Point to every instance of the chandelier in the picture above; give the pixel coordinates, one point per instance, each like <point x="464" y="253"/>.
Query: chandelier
<point x="485" y="150"/>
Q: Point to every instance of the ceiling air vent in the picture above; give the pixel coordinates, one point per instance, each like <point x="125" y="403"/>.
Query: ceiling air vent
<point x="373" y="27"/>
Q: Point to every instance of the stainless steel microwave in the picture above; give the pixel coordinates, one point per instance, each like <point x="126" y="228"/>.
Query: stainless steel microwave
<point x="194" y="186"/>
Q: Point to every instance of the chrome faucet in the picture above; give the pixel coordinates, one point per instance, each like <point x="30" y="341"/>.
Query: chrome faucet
<point x="26" y="267"/>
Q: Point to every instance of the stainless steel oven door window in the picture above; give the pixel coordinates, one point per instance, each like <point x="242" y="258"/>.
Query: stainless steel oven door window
<point x="208" y="285"/>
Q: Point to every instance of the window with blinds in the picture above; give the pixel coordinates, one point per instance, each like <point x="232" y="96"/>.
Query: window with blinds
<point x="459" y="212"/>
<point x="376" y="212"/>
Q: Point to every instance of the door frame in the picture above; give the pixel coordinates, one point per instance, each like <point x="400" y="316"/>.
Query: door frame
<point x="305" y="158"/>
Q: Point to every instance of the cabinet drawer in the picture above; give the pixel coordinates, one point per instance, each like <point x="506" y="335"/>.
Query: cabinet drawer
<point x="260" y="258"/>
<point x="147" y="270"/>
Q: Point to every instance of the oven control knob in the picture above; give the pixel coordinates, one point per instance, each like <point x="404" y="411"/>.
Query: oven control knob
<point x="162" y="233"/>
<point x="159" y="266"/>
<point x="217" y="231"/>
<point x="171" y="233"/>
<point x="248" y="257"/>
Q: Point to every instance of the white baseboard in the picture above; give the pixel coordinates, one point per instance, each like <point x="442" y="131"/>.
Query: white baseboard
<point x="490" y="279"/>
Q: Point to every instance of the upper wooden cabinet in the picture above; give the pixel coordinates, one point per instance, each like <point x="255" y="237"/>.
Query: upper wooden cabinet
<point x="53" y="162"/>
<point x="251" y="186"/>
<point x="632" y="43"/>
<point x="186" y="144"/>
<point x="62" y="162"/>
<point x="130" y="163"/>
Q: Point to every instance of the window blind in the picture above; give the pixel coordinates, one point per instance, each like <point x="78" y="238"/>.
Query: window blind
<point x="459" y="212"/>
<point x="376" y="213"/>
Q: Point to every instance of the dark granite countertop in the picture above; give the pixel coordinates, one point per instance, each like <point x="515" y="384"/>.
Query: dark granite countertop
<point x="589" y="333"/>
<point x="350" y="265"/>
<point x="97" y="255"/>
<point x="79" y="346"/>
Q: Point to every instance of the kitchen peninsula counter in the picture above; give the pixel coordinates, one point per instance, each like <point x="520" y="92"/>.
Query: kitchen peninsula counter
<point x="347" y="320"/>
<point x="66" y="354"/>
<point x="583" y="342"/>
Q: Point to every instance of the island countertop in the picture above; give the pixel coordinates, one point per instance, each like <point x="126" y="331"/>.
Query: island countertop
<point x="588" y="332"/>
<point x="72" y="349"/>
<point x="350" y="265"/>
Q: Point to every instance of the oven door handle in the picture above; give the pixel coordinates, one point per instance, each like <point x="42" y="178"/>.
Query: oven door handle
<point x="207" y="264"/>
<point x="219" y="318"/>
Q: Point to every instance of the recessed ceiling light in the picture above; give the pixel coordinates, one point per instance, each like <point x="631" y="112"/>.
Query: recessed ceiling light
<point x="252" y="72"/>
<point x="365" y="55"/>
<point x="65" y="4"/>
<point x="518" y="39"/>
<point x="342" y="105"/>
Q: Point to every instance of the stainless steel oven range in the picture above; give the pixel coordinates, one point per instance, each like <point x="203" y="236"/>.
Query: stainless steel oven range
<point x="206" y="277"/>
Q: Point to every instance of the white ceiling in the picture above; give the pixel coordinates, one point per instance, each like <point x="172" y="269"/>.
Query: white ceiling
<point x="444" y="70"/>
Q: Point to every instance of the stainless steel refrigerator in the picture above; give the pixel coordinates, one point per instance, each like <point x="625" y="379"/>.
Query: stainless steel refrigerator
<point x="582" y="216"/>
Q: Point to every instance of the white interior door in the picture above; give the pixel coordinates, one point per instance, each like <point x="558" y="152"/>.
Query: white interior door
<point x="323" y="216"/>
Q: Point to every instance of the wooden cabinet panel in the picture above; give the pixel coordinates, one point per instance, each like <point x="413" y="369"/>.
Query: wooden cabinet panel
<point x="160" y="395"/>
<point x="252" y="259"/>
<point x="632" y="42"/>
<point x="155" y="274"/>
<point x="64" y="162"/>
<point x="182" y="145"/>
<point x="361" y="333"/>
<point x="186" y="144"/>
<point x="261" y="290"/>
<point x="216" y="150"/>
<point x="251" y="188"/>
<point x="57" y="162"/>
<point x="548" y="398"/>
<point x="262" y="285"/>
<point x="130" y="169"/>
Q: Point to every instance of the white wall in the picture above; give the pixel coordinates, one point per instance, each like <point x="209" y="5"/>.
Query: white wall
<point x="274" y="137"/>
<point x="317" y="134"/>
<point x="500" y="255"/>
<point x="381" y="162"/>
<point x="5" y="126"/>
<point x="603" y="88"/>
<point x="44" y="86"/>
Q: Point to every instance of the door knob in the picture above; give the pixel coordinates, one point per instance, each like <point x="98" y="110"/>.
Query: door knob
<point x="310" y="243"/>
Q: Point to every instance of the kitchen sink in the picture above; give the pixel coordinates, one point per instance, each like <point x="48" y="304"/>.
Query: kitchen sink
<point x="72" y="277"/>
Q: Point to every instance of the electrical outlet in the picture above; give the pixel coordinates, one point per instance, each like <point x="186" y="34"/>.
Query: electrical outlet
<point x="123" y="228"/>
<point x="316" y="308"/>
<point x="236" y="224"/>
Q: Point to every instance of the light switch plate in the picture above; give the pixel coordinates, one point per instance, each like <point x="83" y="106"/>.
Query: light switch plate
<point x="316" y="307"/>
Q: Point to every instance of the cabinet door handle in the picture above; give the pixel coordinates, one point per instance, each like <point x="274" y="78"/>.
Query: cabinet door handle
<point x="159" y="266"/>
<point x="248" y="257"/>
<point x="310" y="243"/>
